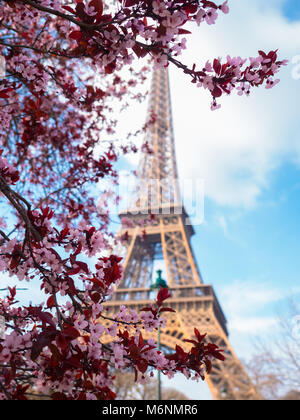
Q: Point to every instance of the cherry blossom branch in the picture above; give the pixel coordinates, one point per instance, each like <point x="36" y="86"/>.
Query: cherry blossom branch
<point x="2" y="387"/>
<point x="13" y="197"/>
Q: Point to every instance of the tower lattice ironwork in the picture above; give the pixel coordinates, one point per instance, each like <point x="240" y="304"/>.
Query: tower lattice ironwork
<point x="168" y="235"/>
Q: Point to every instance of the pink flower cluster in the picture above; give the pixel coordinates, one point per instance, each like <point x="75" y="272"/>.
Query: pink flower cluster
<point x="233" y="74"/>
<point x="7" y="172"/>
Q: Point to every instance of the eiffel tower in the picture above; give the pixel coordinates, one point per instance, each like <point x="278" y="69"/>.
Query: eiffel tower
<point x="167" y="236"/>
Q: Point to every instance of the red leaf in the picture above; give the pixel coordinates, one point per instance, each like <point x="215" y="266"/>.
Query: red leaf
<point x="134" y="352"/>
<point x="55" y="253"/>
<point x="217" y="66"/>
<point x="71" y="285"/>
<point x="183" y="32"/>
<point x="71" y="332"/>
<point x="51" y="302"/>
<point x="262" y="53"/>
<point x="95" y="297"/>
<point x="78" y="250"/>
<point x="142" y="365"/>
<point x="137" y="49"/>
<point x="69" y="9"/>
<point x="191" y="8"/>
<point x="80" y="10"/>
<point x="98" y="5"/>
<point x="4" y="92"/>
<point x="110" y="68"/>
<point x="43" y="340"/>
<point x="135" y="375"/>
<point x="167" y="310"/>
<point x="73" y="271"/>
<point x="199" y="337"/>
<point x="82" y="396"/>
<point x="59" y="396"/>
<point x="213" y="350"/>
<point x="216" y="92"/>
<point x="190" y="341"/>
<point x="77" y="35"/>
<point x="208" y="365"/>
<point x="56" y="356"/>
<point x="35" y="351"/>
<point x="141" y="341"/>
<point x="61" y="342"/>
<point x="64" y="233"/>
<point x="96" y="282"/>
<point x="12" y="291"/>
<point x="74" y="361"/>
<point x="16" y="257"/>
<point x="129" y="3"/>
<point x="180" y="352"/>
<point x="83" y="266"/>
<point x="162" y="295"/>
<point x="46" y="317"/>
<point x="218" y="355"/>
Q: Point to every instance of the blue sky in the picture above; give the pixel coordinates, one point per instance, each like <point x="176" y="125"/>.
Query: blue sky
<point x="265" y="237"/>
<point x="291" y="9"/>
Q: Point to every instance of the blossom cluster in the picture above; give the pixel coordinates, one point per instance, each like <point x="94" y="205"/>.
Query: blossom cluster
<point x="56" y="347"/>
<point x="64" y="351"/>
<point x="221" y="78"/>
<point x="7" y="172"/>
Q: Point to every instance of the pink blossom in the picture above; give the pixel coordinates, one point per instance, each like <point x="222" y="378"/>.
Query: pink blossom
<point x="200" y="16"/>
<point x="224" y="7"/>
<point x="211" y="16"/>
<point x="80" y="323"/>
<point x="159" y="8"/>
<point x="271" y="83"/>
<point x="215" y="106"/>
<point x="243" y="89"/>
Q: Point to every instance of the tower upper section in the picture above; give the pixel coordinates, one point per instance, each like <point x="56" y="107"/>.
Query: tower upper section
<point x="157" y="173"/>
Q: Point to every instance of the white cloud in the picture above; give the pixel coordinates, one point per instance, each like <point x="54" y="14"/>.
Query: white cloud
<point x="249" y="308"/>
<point x="252" y="304"/>
<point x="254" y="309"/>
<point x="253" y="325"/>
<point x="236" y="148"/>
<point x="244" y="297"/>
<point x="32" y="292"/>
<point x="194" y="390"/>
<point x="223" y="223"/>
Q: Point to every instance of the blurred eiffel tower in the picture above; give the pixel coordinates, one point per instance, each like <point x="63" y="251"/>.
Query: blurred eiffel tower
<point x="168" y="237"/>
